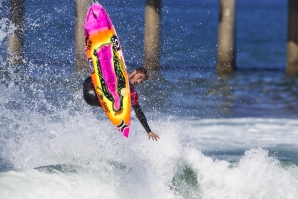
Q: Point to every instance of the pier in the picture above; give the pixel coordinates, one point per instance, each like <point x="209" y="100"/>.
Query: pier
<point x="226" y="55"/>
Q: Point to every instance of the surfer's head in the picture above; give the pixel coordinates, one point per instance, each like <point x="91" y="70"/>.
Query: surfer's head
<point x="138" y="76"/>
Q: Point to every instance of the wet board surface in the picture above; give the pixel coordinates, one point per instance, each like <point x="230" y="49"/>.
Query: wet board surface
<point x="107" y="67"/>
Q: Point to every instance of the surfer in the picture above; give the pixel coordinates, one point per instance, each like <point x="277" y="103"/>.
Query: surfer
<point x="137" y="76"/>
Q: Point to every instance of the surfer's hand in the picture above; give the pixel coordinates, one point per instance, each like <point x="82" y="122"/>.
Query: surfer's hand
<point x="153" y="136"/>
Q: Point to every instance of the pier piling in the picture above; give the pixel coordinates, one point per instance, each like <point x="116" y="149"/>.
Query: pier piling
<point x="81" y="10"/>
<point x="15" y="40"/>
<point x="225" y="51"/>
<point x="152" y="34"/>
<point x="292" y="43"/>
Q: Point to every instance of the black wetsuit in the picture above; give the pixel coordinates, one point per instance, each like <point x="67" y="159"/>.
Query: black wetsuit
<point x="91" y="99"/>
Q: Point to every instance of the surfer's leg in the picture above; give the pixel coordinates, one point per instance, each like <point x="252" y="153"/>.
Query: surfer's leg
<point x="89" y="93"/>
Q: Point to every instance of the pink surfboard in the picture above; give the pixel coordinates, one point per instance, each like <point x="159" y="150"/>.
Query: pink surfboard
<point x="107" y="67"/>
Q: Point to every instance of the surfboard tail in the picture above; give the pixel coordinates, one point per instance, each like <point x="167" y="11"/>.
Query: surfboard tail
<point x="123" y="128"/>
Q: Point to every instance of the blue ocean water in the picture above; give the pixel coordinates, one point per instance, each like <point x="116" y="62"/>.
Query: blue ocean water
<point x="221" y="136"/>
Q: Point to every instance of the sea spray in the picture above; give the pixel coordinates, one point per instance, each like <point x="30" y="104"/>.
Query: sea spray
<point x="255" y="176"/>
<point x="53" y="145"/>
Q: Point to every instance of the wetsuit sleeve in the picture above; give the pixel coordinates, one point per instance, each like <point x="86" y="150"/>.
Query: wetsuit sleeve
<point x="141" y="117"/>
<point x="136" y="107"/>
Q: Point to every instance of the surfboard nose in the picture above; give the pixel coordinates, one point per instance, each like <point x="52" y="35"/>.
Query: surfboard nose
<point x="97" y="18"/>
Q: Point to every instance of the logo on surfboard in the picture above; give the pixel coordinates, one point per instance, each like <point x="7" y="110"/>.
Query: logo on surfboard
<point x="109" y="68"/>
<point x="122" y="127"/>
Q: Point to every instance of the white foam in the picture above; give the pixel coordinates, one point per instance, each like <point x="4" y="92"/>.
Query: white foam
<point x="256" y="176"/>
<point x="104" y="164"/>
<point x="244" y="133"/>
<point x="72" y="151"/>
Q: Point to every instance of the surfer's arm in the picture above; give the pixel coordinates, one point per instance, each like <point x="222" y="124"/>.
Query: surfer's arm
<point x="141" y="117"/>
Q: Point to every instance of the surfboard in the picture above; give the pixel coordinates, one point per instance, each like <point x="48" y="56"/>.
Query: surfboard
<point x="107" y="67"/>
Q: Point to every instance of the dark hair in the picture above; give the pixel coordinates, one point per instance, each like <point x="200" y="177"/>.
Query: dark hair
<point x="142" y="70"/>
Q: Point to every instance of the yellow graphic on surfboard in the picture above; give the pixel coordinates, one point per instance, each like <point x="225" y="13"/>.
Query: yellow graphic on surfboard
<point x="107" y="67"/>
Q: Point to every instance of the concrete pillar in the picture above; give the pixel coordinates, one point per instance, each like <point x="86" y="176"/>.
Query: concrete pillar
<point x="15" y="40"/>
<point x="226" y="37"/>
<point x="292" y="44"/>
<point x="80" y="57"/>
<point x="152" y="34"/>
